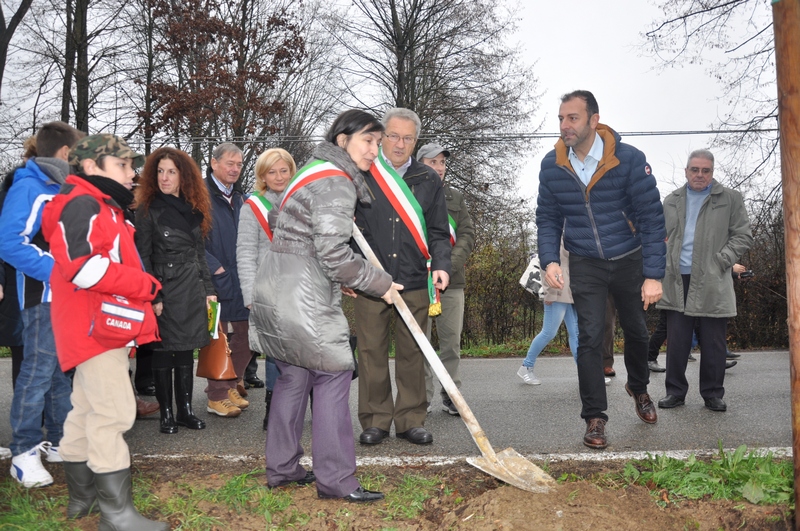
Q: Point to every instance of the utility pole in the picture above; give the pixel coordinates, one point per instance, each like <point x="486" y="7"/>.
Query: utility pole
<point x="786" y="19"/>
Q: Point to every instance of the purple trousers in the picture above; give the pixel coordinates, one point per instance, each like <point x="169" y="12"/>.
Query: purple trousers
<point x="332" y="446"/>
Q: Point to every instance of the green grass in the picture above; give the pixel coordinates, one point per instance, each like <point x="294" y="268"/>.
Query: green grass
<point x="739" y="475"/>
<point x="407" y="499"/>
<point x="5" y="352"/>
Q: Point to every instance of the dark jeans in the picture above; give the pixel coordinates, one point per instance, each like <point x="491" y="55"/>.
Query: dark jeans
<point x="712" y="335"/>
<point x="592" y="280"/>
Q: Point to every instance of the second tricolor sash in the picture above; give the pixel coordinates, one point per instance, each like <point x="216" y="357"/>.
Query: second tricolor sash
<point x="261" y="207"/>
<point x="410" y="211"/>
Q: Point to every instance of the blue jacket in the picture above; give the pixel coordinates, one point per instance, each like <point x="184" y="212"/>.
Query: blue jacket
<point x="21" y="242"/>
<point x="221" y="251"/>
<point x="617" y="213"/>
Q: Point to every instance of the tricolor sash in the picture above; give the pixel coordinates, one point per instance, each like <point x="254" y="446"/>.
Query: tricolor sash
<point x="261" y="207"/>
<point x="313" y="171"/>
<point x="403" y="201"/>
<point x="410" y="211"/>
<point x="453" y="227"/>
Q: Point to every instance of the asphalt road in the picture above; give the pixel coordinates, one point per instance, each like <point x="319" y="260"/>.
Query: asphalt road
<point x="538" y="421"/>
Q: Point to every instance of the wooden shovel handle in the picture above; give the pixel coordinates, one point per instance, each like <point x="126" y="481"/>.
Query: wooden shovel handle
<point x="455" y="395"/>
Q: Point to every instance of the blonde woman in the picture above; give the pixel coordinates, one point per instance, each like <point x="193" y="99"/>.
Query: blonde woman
<point x="274" y="169"/>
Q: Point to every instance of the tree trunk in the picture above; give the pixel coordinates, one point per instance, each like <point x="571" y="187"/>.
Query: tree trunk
<point x="6" y="32"/>
<point x="69" y="63"/>
<point x="786" y="16"/>
<point x="82" y="66"/>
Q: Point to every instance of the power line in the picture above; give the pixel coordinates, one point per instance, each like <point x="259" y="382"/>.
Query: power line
<point x="505" y="137"/>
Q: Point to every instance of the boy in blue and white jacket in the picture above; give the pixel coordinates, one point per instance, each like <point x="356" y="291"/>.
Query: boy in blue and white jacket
<point x="41" y="388"/>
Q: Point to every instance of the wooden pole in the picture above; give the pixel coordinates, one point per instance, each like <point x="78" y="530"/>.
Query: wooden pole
<point x="786" y="18"/>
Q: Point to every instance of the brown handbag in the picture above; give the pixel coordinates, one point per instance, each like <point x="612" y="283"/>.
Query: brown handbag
<point x="214" y="360"/>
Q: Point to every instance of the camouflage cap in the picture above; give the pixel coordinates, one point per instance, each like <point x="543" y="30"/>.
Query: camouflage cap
<point x="95" y="146"/>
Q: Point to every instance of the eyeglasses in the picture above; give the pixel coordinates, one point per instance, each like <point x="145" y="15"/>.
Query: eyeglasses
<point x="394" y="138"/>
<point x="705" y="171"/>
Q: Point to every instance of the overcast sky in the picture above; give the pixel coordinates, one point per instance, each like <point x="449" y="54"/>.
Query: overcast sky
<point x="597" y="46"/>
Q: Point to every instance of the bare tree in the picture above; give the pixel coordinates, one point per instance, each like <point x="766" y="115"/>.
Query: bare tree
<point x="449" y="61"/>
<point x="7" y="31"/>
<point x="733" y="38"/>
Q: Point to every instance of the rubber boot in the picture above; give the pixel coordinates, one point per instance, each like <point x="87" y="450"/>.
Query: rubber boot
<point x="163" y="380"/>
<point x="82" y="495"/>
<point x="268" y="400"/>
<point x="117" y="512"/>
<point x="184" y="383"/>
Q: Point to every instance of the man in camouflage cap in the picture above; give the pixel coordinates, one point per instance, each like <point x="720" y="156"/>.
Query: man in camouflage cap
<point x="95" y="147"/>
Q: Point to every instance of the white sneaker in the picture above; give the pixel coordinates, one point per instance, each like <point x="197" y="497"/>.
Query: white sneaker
<point x="28" y="470"/>
<point x="526" y="373"/>
<point x="608" y="380"/>
<point x="5" y="453"/>
<point x="53" y="455"/>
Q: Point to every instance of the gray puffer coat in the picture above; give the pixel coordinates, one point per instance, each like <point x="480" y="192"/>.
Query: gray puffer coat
<point x="252" y="244"/>
<point x="296" y="296"/>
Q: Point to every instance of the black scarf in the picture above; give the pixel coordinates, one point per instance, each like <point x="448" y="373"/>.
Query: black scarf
<point x="121" y="195"/>
<point x="186" y="220"/>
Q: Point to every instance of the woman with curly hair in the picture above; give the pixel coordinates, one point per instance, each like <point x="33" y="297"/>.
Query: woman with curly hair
<point x="274" y="169"/>
<point x="173" y="215"/>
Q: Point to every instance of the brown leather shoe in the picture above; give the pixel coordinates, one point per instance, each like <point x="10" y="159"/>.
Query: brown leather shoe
<point x="240" y="389"/>
<point x="595" y="436"/>
<point x="144" y="408"/>
<point x="644" y="406"/>
<point x="609" y="371"/>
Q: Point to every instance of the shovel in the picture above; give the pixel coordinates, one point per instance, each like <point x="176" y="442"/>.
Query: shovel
<point x="509" y="465"/>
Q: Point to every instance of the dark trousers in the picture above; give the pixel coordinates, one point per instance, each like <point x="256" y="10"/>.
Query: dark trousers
<point x="17" y="353"/>
<point x="144" y="367"/>
<point x="332" y="446"/>
<point x="608" y="336"/>
<point x="376" y="408"/>
<point x="712" y="346"/>
<point x="592" y="280"/>
<point x="658" y="337"/>
<point x="166" y="359"/>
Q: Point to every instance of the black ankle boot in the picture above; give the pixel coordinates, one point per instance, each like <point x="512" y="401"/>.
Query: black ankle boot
<point x="268" y="401"/>
<point x="163" y="382"/>
<point x="184" y="383"/>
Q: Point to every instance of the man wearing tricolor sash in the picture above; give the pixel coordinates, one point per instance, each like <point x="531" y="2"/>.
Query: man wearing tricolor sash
<point x="407" y="226"/>
<point x="462" y="237"/>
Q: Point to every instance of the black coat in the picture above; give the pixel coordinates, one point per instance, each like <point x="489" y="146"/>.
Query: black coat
<point x="174" y="253"/>
<point x="10" y="316"/>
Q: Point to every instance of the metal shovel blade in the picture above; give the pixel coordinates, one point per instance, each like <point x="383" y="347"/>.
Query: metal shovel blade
<point x="512" y="468"/>
<point x="508" y="465"/>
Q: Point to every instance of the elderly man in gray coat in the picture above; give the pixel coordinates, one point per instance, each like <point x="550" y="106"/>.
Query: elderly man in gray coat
<point x="708" y="230"/>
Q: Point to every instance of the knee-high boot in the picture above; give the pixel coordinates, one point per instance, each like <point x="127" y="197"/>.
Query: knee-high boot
<point x="184" y="383"/>
<point x="80" y="484"/>
<point x="268" y="400"/>
<point x="163" y="381"/>
<point x="117" y="512"/>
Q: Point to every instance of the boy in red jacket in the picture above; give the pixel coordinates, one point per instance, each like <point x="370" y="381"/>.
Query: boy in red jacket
<point x="101" y="308"/>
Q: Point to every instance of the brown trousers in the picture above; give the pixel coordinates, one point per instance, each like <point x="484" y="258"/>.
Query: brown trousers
<point x="376" y="408"/>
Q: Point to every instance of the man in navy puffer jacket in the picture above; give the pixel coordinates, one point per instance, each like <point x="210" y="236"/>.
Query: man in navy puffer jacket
<point x="601" y="195"/>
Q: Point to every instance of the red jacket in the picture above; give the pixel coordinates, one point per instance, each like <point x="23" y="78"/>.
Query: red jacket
<point x="95" y="257"/>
